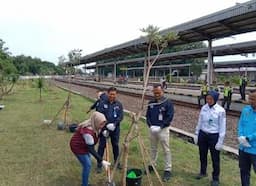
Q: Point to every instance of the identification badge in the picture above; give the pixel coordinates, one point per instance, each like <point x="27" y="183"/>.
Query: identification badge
<point x="105" y="106"/>
<point x="210" y="122"/>
<point x="160" y="117"/>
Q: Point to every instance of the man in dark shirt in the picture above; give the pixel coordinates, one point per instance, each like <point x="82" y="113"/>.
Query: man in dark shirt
<point x="242" y="86"/>
<point x="113" y="111"/>
<point x="159" y="117"/>
<point x="101" y="96"/>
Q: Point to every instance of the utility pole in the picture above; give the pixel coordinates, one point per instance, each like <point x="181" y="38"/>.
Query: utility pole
<point x="210" y="63"/>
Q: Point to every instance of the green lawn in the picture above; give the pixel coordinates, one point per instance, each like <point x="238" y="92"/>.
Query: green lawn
<point x="33" y="154"/>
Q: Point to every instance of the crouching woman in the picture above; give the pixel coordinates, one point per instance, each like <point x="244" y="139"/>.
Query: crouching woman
<point x="83" y="141"/>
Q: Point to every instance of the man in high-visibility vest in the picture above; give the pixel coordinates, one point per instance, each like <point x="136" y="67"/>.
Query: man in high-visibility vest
<point x="214" y="86"/>
<point x="227" y="93"/>
<point x="204" y="92"/>
<point x="242" y="86"/>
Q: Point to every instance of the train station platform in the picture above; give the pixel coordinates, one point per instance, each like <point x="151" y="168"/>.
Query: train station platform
<point x="174" y="93"/>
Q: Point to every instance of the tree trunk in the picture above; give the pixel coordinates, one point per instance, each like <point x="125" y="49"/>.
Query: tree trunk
<point x="126" y="152"/>
<point x="40" y="94"/>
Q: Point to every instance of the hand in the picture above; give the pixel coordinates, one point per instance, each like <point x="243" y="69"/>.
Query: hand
<point x="218" y="146"/>
<point x="111" y="126"/>
<point x="195" y="139"/>
<point x="242" y="141"/>
<point x="155" y="129"/>
<point x="105" y="133"/>
<point x="105" y="164"/>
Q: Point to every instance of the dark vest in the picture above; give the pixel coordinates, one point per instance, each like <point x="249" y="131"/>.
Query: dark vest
<point x="77" y="142"/>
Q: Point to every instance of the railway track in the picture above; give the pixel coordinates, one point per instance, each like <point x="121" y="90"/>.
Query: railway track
<point x="176" y="85"/>
<point x="130" y="92"/>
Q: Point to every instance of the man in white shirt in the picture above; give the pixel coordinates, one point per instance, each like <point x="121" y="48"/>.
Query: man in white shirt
<point x="209" y="134"/>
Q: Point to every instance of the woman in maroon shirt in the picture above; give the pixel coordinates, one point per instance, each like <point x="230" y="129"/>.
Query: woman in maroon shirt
<point x="83" y="141"/>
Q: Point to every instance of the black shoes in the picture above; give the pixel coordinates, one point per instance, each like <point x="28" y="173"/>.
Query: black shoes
<point x="167" y="176"/>
<point x="215" y="183"/>
<point x="200" y="176"/>
<point x="150" y="169"/>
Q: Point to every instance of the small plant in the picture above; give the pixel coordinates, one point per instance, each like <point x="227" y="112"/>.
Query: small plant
<point x="40" y="85"/>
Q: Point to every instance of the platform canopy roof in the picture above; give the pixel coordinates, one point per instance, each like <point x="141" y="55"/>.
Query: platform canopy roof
<point x="237" y="63"/>
<point x="238" y="19"/>
<point x="230" y="49"/>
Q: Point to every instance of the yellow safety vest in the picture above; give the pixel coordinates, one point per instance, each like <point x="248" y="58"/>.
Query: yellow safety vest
<point x="241" y="80"/>
<point x="227" y="91"/>
<point x="204" y="89"/>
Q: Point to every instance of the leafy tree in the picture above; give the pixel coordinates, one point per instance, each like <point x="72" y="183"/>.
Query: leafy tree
<point x="197" y="68"/>
<point x="74" y="57"/>
<point x="27" y="65"/>
<point x="8" y="72"/>
<point x="62" y="59"/>
<point x="157" y="43"/>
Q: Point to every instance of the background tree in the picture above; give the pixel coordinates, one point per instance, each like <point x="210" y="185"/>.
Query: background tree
<point x="74" y="56"/>
<point x="8" y="72"/>
<point x="27" y="65"/>
<point x="61" y="60"/>
<point x="197" y="68"/>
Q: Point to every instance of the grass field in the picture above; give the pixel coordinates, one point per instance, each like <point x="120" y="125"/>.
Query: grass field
<point x="33" y="154"/>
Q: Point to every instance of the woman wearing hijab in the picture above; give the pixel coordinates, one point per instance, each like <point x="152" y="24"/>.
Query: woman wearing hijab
<point x="209" y="134"/>
<point x="83" y="141"/>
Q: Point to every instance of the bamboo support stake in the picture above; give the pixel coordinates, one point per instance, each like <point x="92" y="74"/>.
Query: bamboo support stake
<point x="144" y="161"/>
<point x="151" y="162"/>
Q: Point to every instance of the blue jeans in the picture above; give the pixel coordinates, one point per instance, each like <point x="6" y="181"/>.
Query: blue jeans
<point x="85" y="161"/>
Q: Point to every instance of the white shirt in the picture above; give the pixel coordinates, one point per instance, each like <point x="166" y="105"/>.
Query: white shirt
<point x="88" y="139"/>
<point x="212" y="120"/>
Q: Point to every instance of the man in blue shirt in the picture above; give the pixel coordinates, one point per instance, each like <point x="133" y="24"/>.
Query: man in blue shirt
<point x="113" y="111"/>
<point x="101" y="96"/>
<point x="247" y="139"/>
<point x="159" y="117"/>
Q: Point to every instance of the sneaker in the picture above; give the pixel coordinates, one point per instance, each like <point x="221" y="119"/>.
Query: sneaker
<point x="200" y="176"/>
<point x="215" y="183"/>
<point x="167" y="176"/>
<point x="150" y="169"/>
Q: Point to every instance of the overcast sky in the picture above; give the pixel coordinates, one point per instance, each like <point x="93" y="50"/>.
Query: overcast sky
<point x="50" y="28"/>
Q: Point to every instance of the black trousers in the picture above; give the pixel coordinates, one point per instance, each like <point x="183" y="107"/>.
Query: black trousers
<point x="226" y="100"/>
<point x="208" y="141"/>
<point x="245" y="162"/>
<point x="114" y="137"/>
<point x="242" y="92"/>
